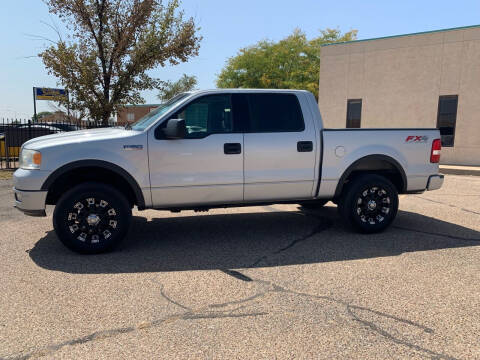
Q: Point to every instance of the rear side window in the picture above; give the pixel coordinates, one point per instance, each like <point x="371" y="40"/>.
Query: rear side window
<point x="274" y="113"/>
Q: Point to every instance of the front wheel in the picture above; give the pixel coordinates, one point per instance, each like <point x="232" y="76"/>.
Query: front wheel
<point x="369" y="203"/>
<point x="92" y="218"/>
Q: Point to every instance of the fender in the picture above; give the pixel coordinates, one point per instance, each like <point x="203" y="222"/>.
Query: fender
<point x="367" y="158"/>
<point x="102" y="164"/>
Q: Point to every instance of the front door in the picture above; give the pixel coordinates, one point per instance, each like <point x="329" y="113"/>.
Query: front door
<point x="206" y="167"/>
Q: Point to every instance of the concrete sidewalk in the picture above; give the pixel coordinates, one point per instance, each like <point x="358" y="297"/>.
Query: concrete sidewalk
<point x="460" y="170"/>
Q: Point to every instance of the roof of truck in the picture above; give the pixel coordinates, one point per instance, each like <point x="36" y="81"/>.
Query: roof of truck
<point x="240" y="90"/>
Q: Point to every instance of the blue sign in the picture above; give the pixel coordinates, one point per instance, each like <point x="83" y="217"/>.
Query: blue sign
<point x="51" y="94"/>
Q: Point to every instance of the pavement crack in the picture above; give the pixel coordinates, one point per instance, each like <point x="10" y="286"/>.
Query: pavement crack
<point x="324" y="224"/>
<point x="371" y="325"/>
<point x="166" y="297"/>
<point x="449" y="205"/>
<point x="435" y="234"/>
<point x="322" y="227"/>
<point x="105" y="334"/>
<point x="350" y="309"/>
<point x="202" y="313"/>
<point x="219" y="316"/>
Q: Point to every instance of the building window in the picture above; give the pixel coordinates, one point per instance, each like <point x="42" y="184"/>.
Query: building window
<point x="131" y="117"/>
<point x="354" y="113"/>
<point x="447" y="117"/>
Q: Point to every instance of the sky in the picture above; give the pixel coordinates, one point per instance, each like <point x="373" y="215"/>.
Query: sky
<point x="226" y="26"/>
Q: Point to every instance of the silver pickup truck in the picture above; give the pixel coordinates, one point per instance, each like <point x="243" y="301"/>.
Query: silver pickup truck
<point x="221" y="148"/>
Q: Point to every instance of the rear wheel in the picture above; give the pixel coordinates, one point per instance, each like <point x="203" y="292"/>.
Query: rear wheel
<point x="369" y="203"/>
<point x="92" y="218"/>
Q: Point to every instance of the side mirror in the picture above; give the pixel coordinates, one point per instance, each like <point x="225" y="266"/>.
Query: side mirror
<point x="175" y="129"/>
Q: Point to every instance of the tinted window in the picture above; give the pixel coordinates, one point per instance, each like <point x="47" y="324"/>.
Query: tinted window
<point x="447" y="118"/>
<point x="354" y="113"/>
<point x="207" y="115"/>
<point x="275" y="113"/>
<point x="153" y="116"/>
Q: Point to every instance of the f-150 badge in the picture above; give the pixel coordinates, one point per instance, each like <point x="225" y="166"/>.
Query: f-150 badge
<point x="416" y="139"/>
<point x="132" y="147"/>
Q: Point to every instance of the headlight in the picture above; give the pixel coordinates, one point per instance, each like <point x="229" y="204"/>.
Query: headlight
<point x="30" y="159"/>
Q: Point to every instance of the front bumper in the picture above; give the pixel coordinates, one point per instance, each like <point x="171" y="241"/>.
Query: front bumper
<point x="32" y="203"/>
<point x="435" y="182"/>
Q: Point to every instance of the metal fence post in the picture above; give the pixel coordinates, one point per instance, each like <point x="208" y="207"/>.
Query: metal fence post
<point x="29" y="129"/>
<point x="7" y="153"/>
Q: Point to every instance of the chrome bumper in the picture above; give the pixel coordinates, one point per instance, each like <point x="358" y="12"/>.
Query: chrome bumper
<point x="32" y="203"/>
<point x="435" y="182"/>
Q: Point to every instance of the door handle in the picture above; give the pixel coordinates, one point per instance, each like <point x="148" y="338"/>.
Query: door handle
<point x="232" y="148"/>
<point x="304" y="146"/>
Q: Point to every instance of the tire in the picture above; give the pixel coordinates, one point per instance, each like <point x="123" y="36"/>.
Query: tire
<point x="92" y="218"/>
<point x="359" y="203"/>
<point x="313" y="205"/>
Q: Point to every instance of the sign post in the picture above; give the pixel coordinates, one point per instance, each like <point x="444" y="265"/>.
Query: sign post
<point x="34" y="106"/>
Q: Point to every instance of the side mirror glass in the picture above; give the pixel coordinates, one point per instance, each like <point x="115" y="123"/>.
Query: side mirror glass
<point x="175" y="129"/>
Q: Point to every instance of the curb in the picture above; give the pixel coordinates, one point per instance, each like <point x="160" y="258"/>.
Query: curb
<point x="460" y="171"/>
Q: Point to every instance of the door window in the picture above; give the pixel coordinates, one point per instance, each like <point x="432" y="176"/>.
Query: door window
<point x="211" y="114"/>
<point x="275" y="113"/>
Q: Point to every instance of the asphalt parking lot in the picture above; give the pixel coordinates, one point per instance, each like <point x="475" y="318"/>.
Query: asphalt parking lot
<point x="259" y="282"/>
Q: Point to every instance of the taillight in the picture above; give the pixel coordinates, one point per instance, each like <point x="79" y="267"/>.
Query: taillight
<point x="436" y="149"/>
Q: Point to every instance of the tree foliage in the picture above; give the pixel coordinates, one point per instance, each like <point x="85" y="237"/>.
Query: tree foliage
<point x="291" y="63"/>
<point x="168" y="89"/>
<point x="112" y="45"/>
<point x="41" y="115"/>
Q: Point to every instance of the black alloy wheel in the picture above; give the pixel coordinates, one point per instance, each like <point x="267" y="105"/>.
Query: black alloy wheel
<point x="92" y="218"/>
<point x="369" y="203"/>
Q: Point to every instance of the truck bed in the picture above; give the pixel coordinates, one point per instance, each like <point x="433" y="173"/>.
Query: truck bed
<point x="409" y="148"/>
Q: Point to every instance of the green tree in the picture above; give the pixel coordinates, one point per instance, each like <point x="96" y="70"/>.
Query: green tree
<point x="111" y="46"/>
<point x="41" y="115"/>
<point x="168" y="89"/>
<point x="291" y="63"/>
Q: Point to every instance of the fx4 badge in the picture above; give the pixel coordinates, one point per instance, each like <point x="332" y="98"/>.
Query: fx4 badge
<point x="416" y="139"/>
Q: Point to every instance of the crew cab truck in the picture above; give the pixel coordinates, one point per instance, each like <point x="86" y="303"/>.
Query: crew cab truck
<point x="221" y="148"/>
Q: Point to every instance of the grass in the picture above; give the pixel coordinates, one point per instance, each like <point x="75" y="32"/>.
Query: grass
<point x="6" y="174"/>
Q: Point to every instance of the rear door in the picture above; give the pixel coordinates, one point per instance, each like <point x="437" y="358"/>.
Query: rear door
<point x="280" y="148"/>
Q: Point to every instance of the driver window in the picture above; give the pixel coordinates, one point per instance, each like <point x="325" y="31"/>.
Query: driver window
<point x="208" y="115"/>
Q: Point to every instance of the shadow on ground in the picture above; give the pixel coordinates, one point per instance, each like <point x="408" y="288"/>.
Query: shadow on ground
<point x="233" y="241"/>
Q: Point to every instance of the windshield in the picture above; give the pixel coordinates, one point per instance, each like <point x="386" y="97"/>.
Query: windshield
<point x="153" y="116"/>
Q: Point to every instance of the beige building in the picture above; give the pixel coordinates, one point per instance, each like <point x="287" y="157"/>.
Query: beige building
<point x="429" y="79"/>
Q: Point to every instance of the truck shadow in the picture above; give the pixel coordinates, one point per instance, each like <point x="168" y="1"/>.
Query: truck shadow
<point x="245" y="240"/>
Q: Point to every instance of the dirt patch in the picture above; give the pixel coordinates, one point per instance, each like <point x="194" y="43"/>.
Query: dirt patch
<point x="6" y="174"/>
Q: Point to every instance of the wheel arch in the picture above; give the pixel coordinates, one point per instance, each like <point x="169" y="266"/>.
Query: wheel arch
<point x="375" y="164"/>
<point x="99" y="170"/>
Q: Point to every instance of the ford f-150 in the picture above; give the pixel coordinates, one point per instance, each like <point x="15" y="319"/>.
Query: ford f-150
<point x="221" y="148"/>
